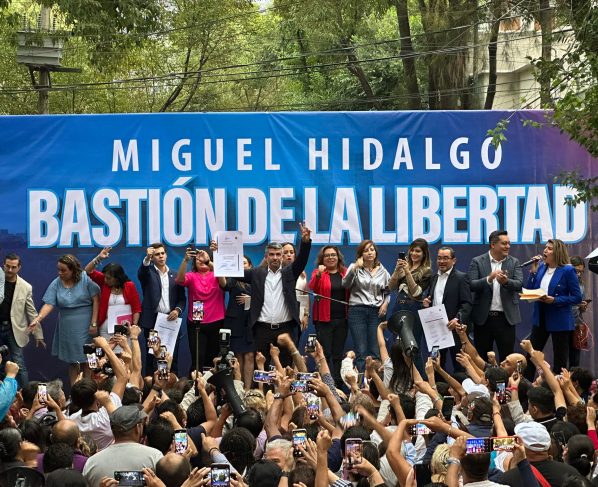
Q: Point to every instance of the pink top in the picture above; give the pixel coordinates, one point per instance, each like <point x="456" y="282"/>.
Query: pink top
<point x="205" y="287"/>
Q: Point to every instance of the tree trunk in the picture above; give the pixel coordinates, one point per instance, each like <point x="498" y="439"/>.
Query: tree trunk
<point x="546" y="24"/>
<point x="177" y="91"/>
<point x="305" y="81"/>
<point x="356" y="70"/>
<point x="407" y="54"/>
<point x="492" y="48"/>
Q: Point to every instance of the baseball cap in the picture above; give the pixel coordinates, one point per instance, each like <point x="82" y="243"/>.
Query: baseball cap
<point x="127" y="417"/>
<point x="535" y="436"/>
<point x="470" y="386"/>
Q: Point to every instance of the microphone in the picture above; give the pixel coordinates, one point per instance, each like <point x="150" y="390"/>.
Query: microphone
<point x="531" y="261"/>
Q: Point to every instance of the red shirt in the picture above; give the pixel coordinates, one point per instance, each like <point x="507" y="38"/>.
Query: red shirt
<point x="321" y="285"/>
<point x="130" y="295"/>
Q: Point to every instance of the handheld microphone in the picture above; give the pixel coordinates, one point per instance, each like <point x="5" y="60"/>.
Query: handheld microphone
<point x="531" y="261"/>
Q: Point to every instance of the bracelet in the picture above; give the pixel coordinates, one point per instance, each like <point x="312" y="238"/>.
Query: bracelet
<point x="453" y="461"/>
<point x="212" y="449"/>
<point x="496" y="413"/>
<point x="448" y="433"/>
<point x="296" y="352"/>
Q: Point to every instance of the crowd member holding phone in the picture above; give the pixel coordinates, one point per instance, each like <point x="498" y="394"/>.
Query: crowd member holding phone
<point x="553" y="315"/>
<point x="367" y="281"/>
<point x="205" y="303"/>
<point x="161" y="294"/>
<point x="330" y="315"/>
<point x="411" y="278"/>
<point x="17" y="311"/>
<point x="237" y="320"/>
<point x="77" y="298"/>
<point x="116" y="289"/>
<point x="289" y="255"/>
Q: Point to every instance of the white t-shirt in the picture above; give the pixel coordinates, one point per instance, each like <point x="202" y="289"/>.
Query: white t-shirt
<point x="97" y="424"/>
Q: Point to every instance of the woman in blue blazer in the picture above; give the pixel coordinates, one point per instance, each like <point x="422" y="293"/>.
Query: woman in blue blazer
<point x="552" y="314"/>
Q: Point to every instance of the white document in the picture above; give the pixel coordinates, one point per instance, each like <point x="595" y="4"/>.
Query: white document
<point x="531" y="294"/>
<point x="593" y="253"/>
<point x="434" y="320"/>
<point x="168" y="331"/>
<point x="228" y="259"/>
<point x="117" y="313"/>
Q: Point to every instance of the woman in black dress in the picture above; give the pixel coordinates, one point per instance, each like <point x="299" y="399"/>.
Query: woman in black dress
<point x="237" y="319"/>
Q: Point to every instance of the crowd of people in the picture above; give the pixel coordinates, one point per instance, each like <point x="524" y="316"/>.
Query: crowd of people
<point x="255" y="410"/>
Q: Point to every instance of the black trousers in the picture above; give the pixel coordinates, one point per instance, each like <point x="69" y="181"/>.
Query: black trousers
<point x="560" y="347"/>
<point x="332" y="335"/>
<point x="495" y="329"/>
<point x="264" y="335"/>
<point x="204" y="343"/>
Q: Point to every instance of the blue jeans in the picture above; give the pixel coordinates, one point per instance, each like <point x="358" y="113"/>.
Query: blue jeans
<point x="363" y="324"/>
<point x="7" y="338"/>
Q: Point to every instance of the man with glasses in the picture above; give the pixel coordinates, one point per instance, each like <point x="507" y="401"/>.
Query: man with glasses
<point x="496" y="279"/>
<point x="274" y="309"/>
<point x="450" y="287"/>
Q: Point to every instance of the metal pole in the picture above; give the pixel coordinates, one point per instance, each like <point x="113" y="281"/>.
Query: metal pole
<point x="43" y="106"/>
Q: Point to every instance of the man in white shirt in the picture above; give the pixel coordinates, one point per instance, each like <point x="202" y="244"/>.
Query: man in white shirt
<point x="496" y="279"/>
<point x="274" y="308"/>
<point x="126" y="454"/>
<point x="450" y="287"/>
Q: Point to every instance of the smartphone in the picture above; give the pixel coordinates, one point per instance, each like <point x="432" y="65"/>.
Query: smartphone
<point x="448" y="402"/>
<point x="304" y="375"/>
<point x="519" y="367"/>
<point x="402" y="255"/>
<point x="192" y="250"/>
<point x="353" y="450"/>
<point x="263" y="376"/>
<point x="180" y="441"/>
<point x="299" y="386"/>
<point x="435" y="352"/>
<point x="559" y="436"/>
<point x="310" y="346"/>
<point x="107" y="369"/>
<point x="92" y="361"/>
<point x="162" y="369"/>
<point x="312" y="405"/>
<point x="42" y="393"/>
<point x="478" y="445"/>
<point x="163" y="351"/>
<point x="129" y="478"/>
<point x="501" y="392"/>
<point x="153" y="338"/>
<point x="121" y="329"/>
<point x="220" y="475"/>
<point x="299" y="438"/>
<point x="99" y="352"/>
<point x="206" y="369"/>
<point x="504" y="443"/>
<point x="197" y="311"/>
<point x="89" y="348"/>
<point x="419" y="429"/>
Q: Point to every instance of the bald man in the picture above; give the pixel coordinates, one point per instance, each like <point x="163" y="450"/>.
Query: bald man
<point x="66" y="431"/>
<point x="173" y="469"/>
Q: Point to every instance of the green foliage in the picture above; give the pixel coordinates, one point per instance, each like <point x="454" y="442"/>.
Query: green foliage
<point x="498" y="133"/>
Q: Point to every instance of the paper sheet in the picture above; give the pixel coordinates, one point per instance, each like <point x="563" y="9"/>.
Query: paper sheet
<point x="168" y="331"/>
<point x="228" y="259"/>
<point x="434" y="320"/>
<point x="531" y="294"/>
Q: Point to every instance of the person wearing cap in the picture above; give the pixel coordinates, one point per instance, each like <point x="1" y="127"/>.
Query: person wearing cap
<point x="496" y="279"/>
<point x="126" y="453"/>
<point x="274" y="309"/>
<point x="536" y="441"/>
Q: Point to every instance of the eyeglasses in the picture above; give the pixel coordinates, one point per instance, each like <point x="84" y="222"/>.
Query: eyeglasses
<point x="329" y="255"/>
<point x="444" y="258"/>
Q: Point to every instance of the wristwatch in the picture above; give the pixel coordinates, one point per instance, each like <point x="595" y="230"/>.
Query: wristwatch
<point x="278" y="395"/>
<point x="93" y="324"/>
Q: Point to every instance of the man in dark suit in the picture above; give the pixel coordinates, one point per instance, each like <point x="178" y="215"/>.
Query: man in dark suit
<point x="274" y="308"/>
<point x="450" y="287"/>
<point x="496" y="278"/>
<point x="161" y="294"/>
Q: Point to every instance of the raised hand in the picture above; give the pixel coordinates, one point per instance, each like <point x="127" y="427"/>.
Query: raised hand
<point x="305" y="232"/>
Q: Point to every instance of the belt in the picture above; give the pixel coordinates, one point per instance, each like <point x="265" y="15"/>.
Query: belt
<point x="274" y="326"/>
<point x="496" y="313"/>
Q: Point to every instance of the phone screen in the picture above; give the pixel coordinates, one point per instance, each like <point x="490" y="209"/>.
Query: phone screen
<point x="353" y="450"/>
<point x="304" y="375"/>
<point x="162" y="369"/>
<point x="402" y="255"/>
<point x="153" y="338"/>
<point x="504" y="443"/>
<point x="263" y="376"/>
<point x="42" y="393"/>
<point x="435" y="350"/>
<point x="447" y="407"/>
<point x="313" y="405"/>
<point x="220" y="475"/>
<point x="180" y="441"/>
<point x="130" y="478"/>
<point x="163" y="351"/>
<point x="311" y="343"/>
<point x="92" y="361"/>
<point x="477" y="445"/>
<point x="519" y="367"/>
<point x="419" y="429"/>
<point x="299" y="386"/>
<point x="299" y="438"/>
<point x="197" y="311"/>
<point x="501" y="392"/>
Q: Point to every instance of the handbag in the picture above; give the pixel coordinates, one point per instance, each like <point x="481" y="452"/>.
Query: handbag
<point x="583" y="338"/>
